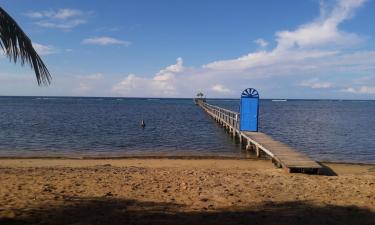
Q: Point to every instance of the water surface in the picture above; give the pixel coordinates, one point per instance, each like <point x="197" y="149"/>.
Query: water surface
<point x="44" y="126"/>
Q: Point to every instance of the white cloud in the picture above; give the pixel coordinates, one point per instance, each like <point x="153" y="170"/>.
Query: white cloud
<point x="44" y="49"/>
<point x="65" y="18"/>
<point x="262" y="43"/>
<point x="126" y="85"/>
<point x="316" y="84"/>
<point x="137" y="86"/>
<point x="54" y="14"/>
<point x="309" y="41"/>
<point x="263" y="58"/>
<point x="168" y="73"/>
<point x="360" y="90"/>
<point x="105" y="41"/>
<point x="65" y="25"/>
<point x="318" y="48"/>
<point x="220" y="89"/>
<point x="162" y="84"/>
<point x="324" y="30"/>
<point x="66" y="13"/>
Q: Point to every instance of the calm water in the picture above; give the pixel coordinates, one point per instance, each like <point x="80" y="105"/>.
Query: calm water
<point x="37" y="126"/>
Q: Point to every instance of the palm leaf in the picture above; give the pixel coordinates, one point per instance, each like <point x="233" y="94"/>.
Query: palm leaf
<point x="18" y="47"/>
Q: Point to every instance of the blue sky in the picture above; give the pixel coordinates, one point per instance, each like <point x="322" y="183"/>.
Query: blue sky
<point x="285" y="49"/>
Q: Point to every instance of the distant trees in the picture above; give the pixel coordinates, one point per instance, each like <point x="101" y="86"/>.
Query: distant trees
<point x="17" y="46"/>
<point x="200" y="95"/>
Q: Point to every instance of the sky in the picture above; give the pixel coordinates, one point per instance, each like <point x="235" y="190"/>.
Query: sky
<point x="175" y="48"/>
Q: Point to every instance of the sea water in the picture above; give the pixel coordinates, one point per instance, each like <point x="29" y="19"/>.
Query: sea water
<point x="327" y="130"/>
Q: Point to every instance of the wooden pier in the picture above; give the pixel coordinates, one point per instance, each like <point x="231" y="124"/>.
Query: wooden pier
<point x="282" y="155"/>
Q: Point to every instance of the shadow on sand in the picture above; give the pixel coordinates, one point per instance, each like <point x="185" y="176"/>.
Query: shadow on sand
<point x="326" y="170"/>
<point x="120" y="211"/>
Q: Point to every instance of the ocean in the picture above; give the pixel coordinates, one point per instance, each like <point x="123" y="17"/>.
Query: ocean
<point x="326" y="130"/>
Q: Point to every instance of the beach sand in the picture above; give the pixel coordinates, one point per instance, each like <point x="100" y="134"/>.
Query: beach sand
<point x="181" y="191"/>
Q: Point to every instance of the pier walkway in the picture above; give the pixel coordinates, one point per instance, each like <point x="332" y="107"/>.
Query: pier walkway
<point x="282" y="155"/>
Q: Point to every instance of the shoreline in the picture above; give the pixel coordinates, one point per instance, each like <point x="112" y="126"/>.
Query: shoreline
<point x="187" y="157"/>
<point x="329" y="168"/>
<point x="133" y="157"/>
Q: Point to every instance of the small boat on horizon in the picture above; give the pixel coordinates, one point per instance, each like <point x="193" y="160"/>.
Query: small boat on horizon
<point x="279" y="100"/>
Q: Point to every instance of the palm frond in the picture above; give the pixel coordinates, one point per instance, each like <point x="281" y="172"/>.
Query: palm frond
<point x="18" y="47"/>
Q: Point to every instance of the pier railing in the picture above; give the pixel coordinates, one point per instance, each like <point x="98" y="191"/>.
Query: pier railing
<point x="226" y="116"/>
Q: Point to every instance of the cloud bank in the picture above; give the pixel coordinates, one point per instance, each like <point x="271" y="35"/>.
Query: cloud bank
<point x="306" y="56"/>
<point x="163" y="83"/>
<point x="315" y="57"/>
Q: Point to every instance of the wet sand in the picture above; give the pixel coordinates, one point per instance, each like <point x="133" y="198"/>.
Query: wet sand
<point x="181" y="191"/>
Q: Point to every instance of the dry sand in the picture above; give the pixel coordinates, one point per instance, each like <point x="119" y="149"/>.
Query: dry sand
<point x="181" y="191"/>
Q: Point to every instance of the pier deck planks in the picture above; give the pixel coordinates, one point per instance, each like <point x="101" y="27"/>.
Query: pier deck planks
<point x="289" y="157"/>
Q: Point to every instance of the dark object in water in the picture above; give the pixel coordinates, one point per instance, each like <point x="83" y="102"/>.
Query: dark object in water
<point x="143" y="124"/>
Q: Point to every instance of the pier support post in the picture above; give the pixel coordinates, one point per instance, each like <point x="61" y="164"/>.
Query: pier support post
<point x="248" y="145"/>
<point x="257" y="150"/>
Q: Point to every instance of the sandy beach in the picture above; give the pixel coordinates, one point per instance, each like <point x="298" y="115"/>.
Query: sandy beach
<point x="181" y="191"/>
